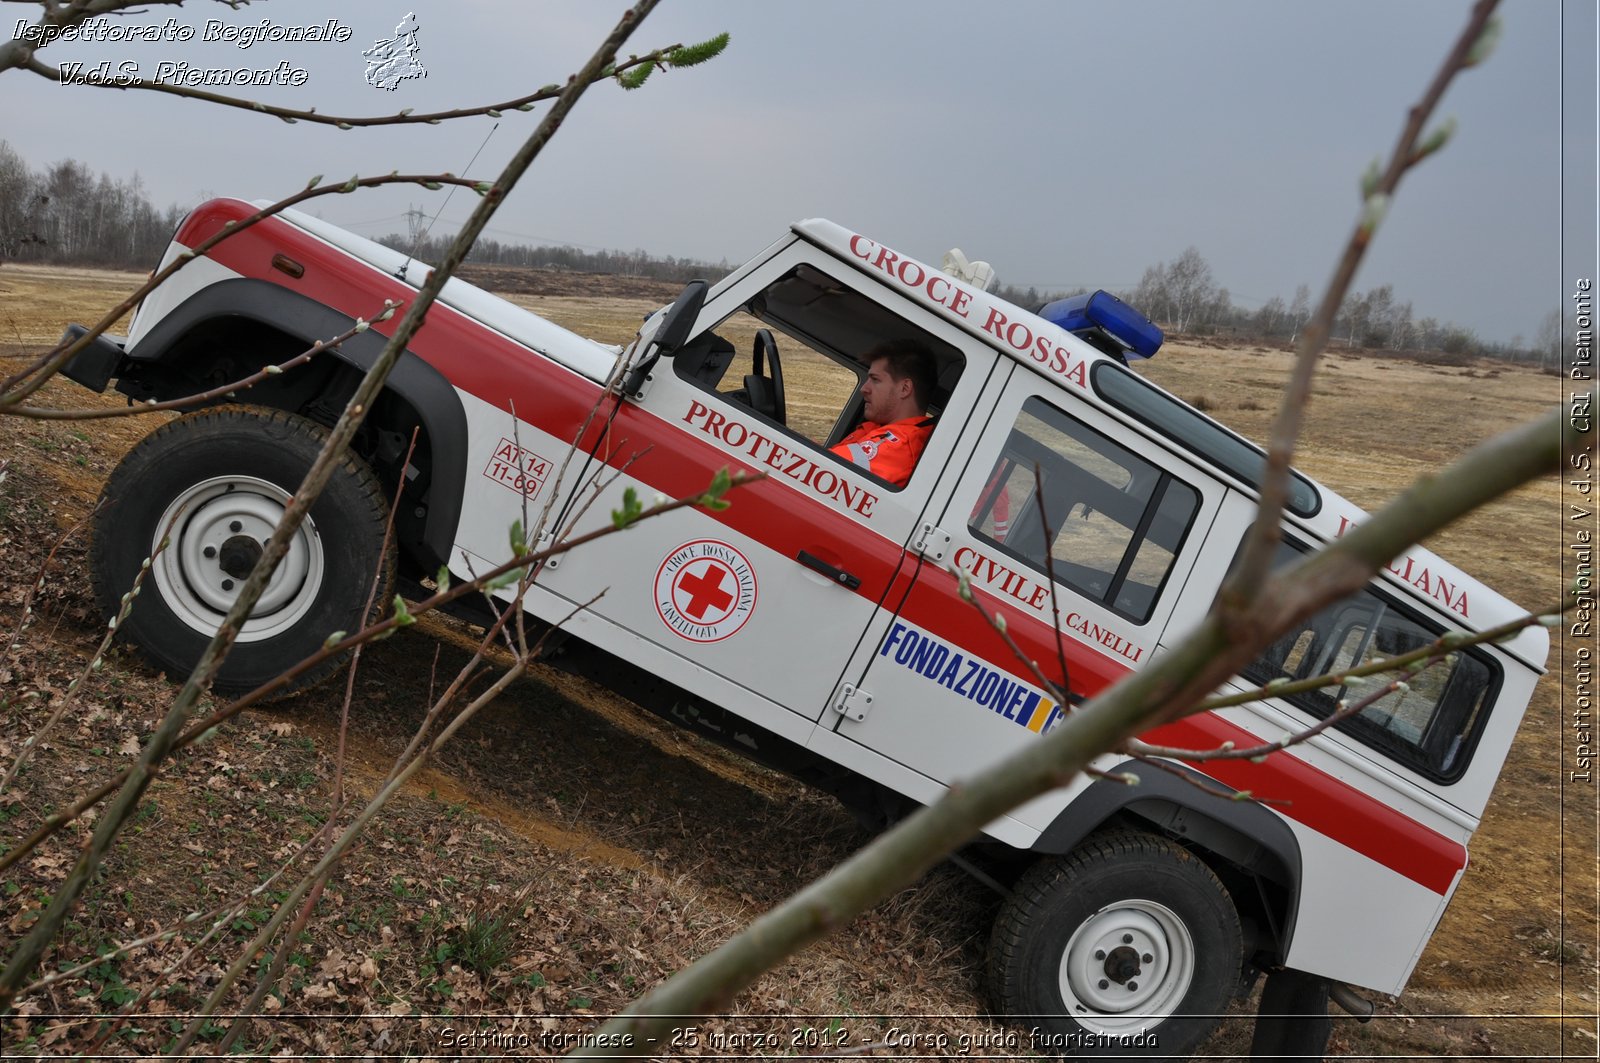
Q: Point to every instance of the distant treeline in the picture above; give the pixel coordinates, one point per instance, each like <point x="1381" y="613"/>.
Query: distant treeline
<point x="622" y="263"/>
<point x="67" y="215"/>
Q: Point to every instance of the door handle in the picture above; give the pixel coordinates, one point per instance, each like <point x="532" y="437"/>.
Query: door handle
<point x="833" y="572"/>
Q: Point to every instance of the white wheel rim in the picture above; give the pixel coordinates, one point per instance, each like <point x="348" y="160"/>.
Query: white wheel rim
<point x="222" y="522"/>
<point x="1127" y="967"/>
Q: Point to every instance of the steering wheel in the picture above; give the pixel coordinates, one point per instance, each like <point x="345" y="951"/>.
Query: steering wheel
<point x="765" y="387"/>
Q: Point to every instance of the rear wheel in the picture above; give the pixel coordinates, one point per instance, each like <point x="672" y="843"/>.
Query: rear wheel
<point x="1129" y="945"/>
<point x="216" y="483"/>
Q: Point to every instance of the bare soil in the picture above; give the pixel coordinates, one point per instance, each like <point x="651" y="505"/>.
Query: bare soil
<point x="616" y="849"/>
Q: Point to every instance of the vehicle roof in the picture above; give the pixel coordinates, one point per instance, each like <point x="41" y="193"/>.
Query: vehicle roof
<point x="1056" y="354"/>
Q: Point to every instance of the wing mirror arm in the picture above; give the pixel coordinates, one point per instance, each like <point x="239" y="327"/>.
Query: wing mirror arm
<point x="676" y="322"/>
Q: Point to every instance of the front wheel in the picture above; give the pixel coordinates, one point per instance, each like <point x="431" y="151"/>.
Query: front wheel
<point x="1128" y="946"/>
<point x="215" y="483"/>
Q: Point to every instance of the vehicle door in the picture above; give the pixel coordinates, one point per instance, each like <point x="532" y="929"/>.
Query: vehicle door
<point x="1065" y="519"/>
<point x="759" y="605"/>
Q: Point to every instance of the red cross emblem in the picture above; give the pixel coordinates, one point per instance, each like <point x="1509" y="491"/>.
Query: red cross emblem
<point x="703" y="590"/>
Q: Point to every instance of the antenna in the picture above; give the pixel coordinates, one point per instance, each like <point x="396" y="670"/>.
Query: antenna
<point x="414" y="216"/>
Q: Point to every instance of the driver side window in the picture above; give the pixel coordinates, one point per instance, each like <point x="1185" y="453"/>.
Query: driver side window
<point x="817" y="388"/>
<point x="794" y="355"/>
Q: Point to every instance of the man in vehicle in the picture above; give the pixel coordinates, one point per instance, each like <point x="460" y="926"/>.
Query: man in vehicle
<point x="900" y="382"/>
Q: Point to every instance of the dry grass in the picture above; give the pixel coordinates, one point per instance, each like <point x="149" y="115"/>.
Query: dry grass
<point x="649" y="846"/>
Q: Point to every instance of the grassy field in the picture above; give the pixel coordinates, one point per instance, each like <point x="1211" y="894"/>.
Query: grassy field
<point x="640" y="847"/>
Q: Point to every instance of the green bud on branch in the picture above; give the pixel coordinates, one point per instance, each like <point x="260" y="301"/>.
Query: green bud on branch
<point x="402" y="615"/>
<point x="1372" y="214"/>
<point x="505" y="579"/>
<point x="1370" y="179"/>
<point x="1437" y="139"/>
<point x="631" y="508"/>
<point x="712" y="498"/>
<point x="1484" y="46"/>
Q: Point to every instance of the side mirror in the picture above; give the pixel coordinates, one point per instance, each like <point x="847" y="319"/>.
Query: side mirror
<point x="676" y="322"/>
<point x="680" y="317"/>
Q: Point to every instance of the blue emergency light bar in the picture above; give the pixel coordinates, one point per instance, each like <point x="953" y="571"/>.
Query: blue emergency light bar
<point x="1101" y="312"/>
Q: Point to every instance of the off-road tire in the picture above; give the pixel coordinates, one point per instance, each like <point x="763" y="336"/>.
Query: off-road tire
<point x="231" y="467"/>
<point x="1117" y="891"/>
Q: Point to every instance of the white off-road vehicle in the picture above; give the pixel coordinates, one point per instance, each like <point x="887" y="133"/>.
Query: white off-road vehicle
<point x="816" y="624"/>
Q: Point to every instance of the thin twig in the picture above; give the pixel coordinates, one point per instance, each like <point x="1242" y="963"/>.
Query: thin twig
<point x="30" y="949"/>
<point x="221" y="391"/>
<point x="26" y="619"/>
<point x="291" y="115"/>
<point x="57" y="820"/>
<point x="1280" y="688"/>
<point x="26" y="381"/>
<point x="96" y="660"/>
<point x="1226" y="751"/>
<point x="1244" y="586"/>
<point x="1198" y="782"/>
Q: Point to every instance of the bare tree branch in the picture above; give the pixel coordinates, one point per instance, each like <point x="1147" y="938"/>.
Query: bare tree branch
<point x="18" y="386"/>
<point x="27" y="953"/>
<point x="222" y="391"/>
<point x="1171" y="686"/>
<point x="1242" y="588"/>
<point x="289" y="114"/>
<point x="381" y="629"/>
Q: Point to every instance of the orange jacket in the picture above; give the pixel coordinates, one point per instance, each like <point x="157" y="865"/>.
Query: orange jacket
<point x="887" y="451"/>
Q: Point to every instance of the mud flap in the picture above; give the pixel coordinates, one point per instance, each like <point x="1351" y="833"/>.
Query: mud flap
<point x="1292" y="1023"/>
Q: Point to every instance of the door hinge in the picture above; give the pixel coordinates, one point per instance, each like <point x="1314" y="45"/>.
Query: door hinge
<point x="853" y="703"/>
<point x="931" y="542"/>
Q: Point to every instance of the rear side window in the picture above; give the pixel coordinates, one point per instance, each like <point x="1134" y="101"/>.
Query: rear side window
<point x="1431" y="725"/>
<point x="1115" y="520"/>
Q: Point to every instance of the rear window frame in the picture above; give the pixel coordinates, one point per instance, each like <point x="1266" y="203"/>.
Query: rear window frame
<point x="1368" y="734"/>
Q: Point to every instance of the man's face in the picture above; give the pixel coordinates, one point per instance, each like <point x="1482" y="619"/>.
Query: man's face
<point x="883" y="396"/>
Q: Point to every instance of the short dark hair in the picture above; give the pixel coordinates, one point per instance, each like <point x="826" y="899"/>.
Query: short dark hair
<point x="908" y="359"/>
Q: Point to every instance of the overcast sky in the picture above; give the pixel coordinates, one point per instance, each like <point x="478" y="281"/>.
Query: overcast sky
<point x="1069" y="143"/>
